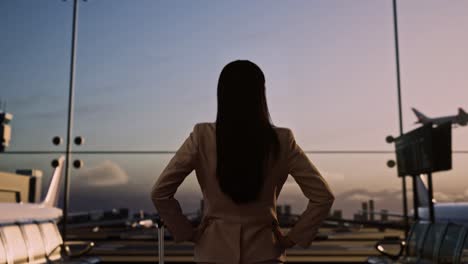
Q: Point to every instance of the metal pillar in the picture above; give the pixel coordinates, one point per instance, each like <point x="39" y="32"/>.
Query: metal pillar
<point x="430" y="196"/>
<point x="400" y="114"/>
<point x="160" y="228"/>
<point x="415" y="198"/>
<point x="66" y="196"/>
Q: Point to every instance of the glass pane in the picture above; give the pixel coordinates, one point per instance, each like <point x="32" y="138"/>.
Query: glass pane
<point x="107" y="182"/>
<point x="451" y="186"/>
<point x="448" y="186"/>
<point x="148" y="71"/>
<point x="116" y="188"/>
<point x="354" y="179"/>
<point x="124" y="181"/>
<point x="34" y="72"/>
<point x="433" y="59"/>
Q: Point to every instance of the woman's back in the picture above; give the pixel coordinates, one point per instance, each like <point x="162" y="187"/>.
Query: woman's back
<point x="241" y="163"/>
<point x="246" y="232"/>
<point x="217" y="203"/>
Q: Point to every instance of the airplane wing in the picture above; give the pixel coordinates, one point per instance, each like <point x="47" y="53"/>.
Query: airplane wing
<point x="421" y="117"/>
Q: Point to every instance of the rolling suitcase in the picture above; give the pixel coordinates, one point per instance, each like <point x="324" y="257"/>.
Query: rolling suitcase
<point x="160" y="227"/>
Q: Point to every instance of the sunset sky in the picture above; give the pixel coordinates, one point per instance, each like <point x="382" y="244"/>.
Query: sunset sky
<point x="147" y="72"/>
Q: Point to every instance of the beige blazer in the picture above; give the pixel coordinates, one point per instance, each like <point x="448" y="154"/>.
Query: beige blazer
<point x="231" y="233"/>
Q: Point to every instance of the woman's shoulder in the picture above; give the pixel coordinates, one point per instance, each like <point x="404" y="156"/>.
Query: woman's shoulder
<point x="203" y="127"/>
<point x="283" y="130"/>
<point x="211" y="126"/>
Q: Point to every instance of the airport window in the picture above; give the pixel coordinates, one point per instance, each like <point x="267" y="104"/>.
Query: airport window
<point x="146" y="72"/>
<point x="140" y="88"/>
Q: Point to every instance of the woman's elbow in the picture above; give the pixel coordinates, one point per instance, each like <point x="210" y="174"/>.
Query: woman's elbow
<point x="329" y="199"/>
<point x="160" y="193"/>
<point x="155" y="195"/>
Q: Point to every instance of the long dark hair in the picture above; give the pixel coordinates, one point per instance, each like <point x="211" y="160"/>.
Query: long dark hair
<point x="245" y="138"/>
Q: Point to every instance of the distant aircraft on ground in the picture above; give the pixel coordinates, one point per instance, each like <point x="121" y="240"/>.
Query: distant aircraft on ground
<point x="460" y="119"/>
<point x="455" y="212"/>
<point x="46" y="210"/>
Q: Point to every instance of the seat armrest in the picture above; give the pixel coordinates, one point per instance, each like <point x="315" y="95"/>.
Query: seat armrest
<point x="84" y="248"/>
<point x="381" y="246"/>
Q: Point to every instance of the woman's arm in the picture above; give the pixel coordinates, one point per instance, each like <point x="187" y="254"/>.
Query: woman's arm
<point x="162" y="193"/>
<point x="315" y="188"/>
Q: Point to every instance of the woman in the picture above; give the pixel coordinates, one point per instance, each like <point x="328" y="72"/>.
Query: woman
<point x="241" y="163"/>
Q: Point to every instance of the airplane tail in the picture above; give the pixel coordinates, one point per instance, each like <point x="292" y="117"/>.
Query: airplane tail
<point x="52" y="196"/>
<point x="421" y="117"/>
<point x="462" y="112"/>
<point x="423" y="199"/>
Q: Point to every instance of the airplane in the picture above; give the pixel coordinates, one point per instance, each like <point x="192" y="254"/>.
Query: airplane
<point x="46" y="210"/>
<point x="446" y="212"/>
<point x="30" y="233"/>
<point x="460" y="119"/>
<point x="453" y="212"/>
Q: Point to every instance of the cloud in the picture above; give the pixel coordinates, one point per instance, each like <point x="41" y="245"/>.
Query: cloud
<point x="409" y="193"/>
<point x="329" y="176"/>
<point x="333" y="176"/>
<point x="350" y="201"/>
<point x="106" y="173"/>
<point x="390" y="199"/>
<point x="450" y="197"/>
<point x="442" y="197"/>
<point x="363" y="197"/>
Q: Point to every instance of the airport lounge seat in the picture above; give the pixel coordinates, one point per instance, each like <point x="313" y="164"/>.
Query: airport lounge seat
<point x="427" y="243"/>
<point x="38" y="242"/>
